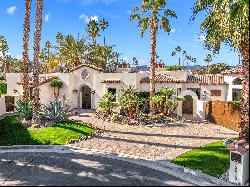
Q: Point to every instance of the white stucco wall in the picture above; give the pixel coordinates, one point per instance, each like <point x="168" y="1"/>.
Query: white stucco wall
<point x="73" y="82"/>
<point x="2" y="106"/>
<point x="12" y="79"/>
<point x="47" y="92"/>
<point x="229" y="79"/>
<point x="201" y="109"/>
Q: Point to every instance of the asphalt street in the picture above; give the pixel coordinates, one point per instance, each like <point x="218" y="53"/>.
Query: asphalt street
<point x="48" y="168"/>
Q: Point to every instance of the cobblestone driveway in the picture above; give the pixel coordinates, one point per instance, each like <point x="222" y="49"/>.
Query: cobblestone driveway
<point x="158" y="143"/>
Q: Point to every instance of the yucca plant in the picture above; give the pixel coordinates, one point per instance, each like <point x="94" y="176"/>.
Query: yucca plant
<point x="24" y="109"/>
<point x="56" y="111"/>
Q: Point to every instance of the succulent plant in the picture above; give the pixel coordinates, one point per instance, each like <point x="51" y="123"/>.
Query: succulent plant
<point x="24" y="109"/>
<point x="56" y="111"/>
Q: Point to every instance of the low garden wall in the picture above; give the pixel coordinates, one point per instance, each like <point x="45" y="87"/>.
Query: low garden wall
<point x="224" y="113"/>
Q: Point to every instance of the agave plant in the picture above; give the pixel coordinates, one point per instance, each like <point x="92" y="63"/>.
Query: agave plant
<point x="56" y="111"/>
<point x="24" y="109"/>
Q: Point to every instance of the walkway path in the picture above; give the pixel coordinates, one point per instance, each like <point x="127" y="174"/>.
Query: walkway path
<point x="158" y="143"/>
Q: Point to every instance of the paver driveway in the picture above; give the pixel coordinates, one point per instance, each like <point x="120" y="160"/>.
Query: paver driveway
<point x="158" y="143"/>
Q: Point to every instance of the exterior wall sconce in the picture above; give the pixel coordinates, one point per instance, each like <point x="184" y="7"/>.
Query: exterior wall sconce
<point x="15" y="91"/>
<point x="93" y="91"/>
<point x="75" y="91"/>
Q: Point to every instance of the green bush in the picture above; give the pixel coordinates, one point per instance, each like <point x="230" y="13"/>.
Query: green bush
<point x="3" y="88"/>
<point x="106" y="102"/>
<point x="173" y="68"/>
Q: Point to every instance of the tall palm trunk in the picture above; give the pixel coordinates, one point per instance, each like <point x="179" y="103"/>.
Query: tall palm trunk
<point x="244" y="126"/>
<point x="94" y="40"/>
<point x="37" y="38"/>
<point x="26" y="32"/>
<point x="152" y="64"/>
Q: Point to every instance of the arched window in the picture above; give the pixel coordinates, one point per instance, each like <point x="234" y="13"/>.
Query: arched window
<point x="237" y="81"/>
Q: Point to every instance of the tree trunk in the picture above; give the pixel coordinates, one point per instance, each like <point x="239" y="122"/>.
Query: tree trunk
<point x="166" y="105"/>
<point x="37" y="39"/>
<point x="94" y="40"/>
<point x="244" y="125"/>
<point x="130" y="111"/>
<point x="153" y="32"/>
<point x="137" y="108"/>
<point x="160" y="107"/>
<point x="26" y="32"/>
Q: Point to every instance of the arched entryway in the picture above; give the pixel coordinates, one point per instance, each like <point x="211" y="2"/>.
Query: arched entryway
<point x="187" y="105"/>
<point x="86" y="97"/>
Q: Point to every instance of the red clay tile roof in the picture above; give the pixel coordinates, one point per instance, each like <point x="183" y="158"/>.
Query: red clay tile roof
<point x="162" y="78"/>
<point x="206" y="79"/>
<point x="200" y="79"/>
<point x="110" y="81"/>
<point x="87" y="65"/>
<point x="235" y="70"/>
<point x="43" y="80"/>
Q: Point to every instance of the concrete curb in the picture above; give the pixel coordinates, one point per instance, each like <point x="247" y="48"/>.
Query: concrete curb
<point x="196" y="177"/>
<point x="192" y="176"/>
<point x="196" y="173"/>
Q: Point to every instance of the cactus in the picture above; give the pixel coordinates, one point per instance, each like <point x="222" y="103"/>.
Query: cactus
<point x="56" y="111"/>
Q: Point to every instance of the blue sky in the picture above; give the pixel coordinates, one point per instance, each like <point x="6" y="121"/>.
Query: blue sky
<point x="70" y="16"/>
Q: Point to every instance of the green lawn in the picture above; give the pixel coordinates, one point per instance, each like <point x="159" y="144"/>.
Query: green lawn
<point x="13" y="133"/>
<point x="212" y="159"/>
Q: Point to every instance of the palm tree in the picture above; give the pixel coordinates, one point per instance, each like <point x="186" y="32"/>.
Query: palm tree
<point x="93" y="30"/>
<point x="208" y="59"/>
<point x="56" y="84"/>
<point x="26" y="32"/>
<point x="227" y="22"/>
<point x="103" y="26"/>
<point x="167" y="93"/>
<point x="5" y="59"/>
<point x="127" y="99"/>
<point x="158" y="99"/>
<point x="152" y="13"/>
<point x="37" y="39"/>
<point x="177" y="50"/>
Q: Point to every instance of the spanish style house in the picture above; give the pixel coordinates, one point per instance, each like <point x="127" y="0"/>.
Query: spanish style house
<point x="84" y="85"/>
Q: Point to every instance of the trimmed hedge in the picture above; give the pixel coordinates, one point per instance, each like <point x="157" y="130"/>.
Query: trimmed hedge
<point x="3" y="88"/>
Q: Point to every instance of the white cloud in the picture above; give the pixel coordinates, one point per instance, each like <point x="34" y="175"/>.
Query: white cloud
<point x="199" y="38"/>
<point x="87" y="19"/>
<point x="46" y="18"/>
<point x="95" y="17"/>
<point x="172" y="30"/>
<point x="11" y="10"/>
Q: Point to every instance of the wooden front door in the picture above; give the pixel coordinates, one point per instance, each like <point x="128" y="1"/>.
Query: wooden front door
<point x="86" y="97"/>
<point x="187" y="105"/>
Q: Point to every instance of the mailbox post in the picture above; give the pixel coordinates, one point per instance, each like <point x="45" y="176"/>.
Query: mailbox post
<point x="239" y="161"/>
<point x="239" y="167"/>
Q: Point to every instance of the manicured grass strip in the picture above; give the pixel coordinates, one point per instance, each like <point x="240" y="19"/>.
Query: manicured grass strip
<point x="13" y="133"/>
<point x="212" y="159"/>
